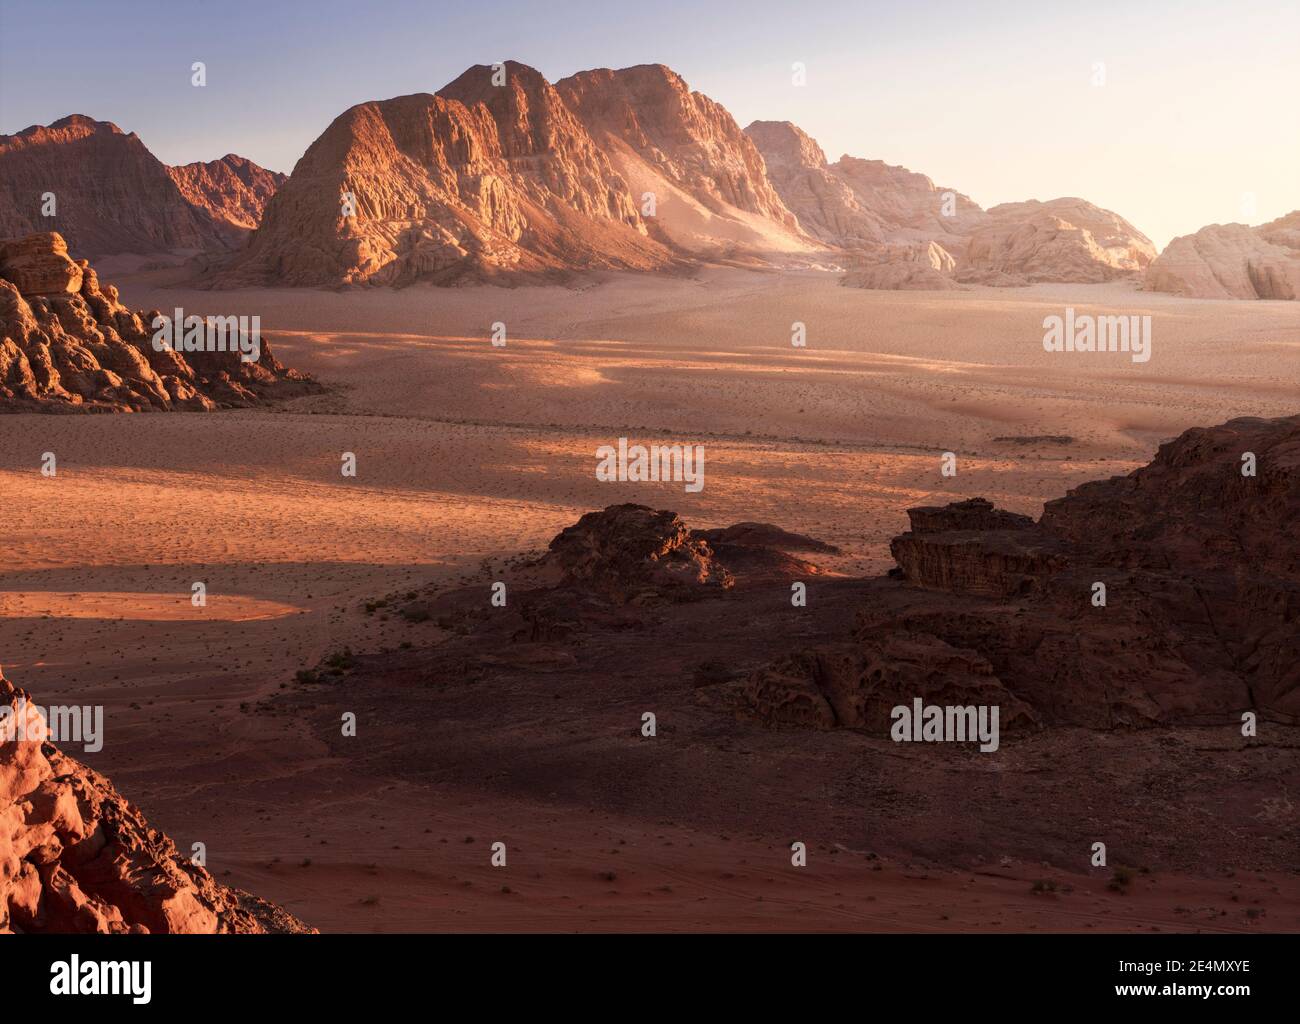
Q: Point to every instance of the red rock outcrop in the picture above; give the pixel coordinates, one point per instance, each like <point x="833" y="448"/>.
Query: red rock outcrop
<point x="77" y="857"/>
<point x="233" y="190"/>
<point x="68" y="345"/>
<point x="111" y="194"/>
<point x="710" y="184"/>
<point x="634" y="554"/>
<point x="1200" y="620"/>
<point x="1232" y="261"/>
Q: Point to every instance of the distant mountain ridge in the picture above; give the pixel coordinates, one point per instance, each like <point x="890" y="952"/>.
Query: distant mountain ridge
<point x="504" y="176"/>
<point x="111" y="195"/>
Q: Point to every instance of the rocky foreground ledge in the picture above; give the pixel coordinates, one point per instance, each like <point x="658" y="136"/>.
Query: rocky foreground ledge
<point x="76" y="857"/>
<point x="68" y="345"/>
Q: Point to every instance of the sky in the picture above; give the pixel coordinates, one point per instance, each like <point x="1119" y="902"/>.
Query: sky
<point x="1196" y="119"/>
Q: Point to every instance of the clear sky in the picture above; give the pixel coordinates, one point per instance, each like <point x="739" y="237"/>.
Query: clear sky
<point x="1199" y="111"/>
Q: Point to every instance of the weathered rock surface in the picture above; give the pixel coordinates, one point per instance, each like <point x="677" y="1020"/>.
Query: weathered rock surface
<point x="911" y="205"/>
<point x="40" y="265"/>
<point x="1201" y="620"/>
<point x="77" y="857"/>
<point x="634" y="554"/>
<point x="479" y="181"/>
<point x="233" y="190"/>
<point x="1064" y="240"/>
<point x="112" y="195"/>
<point x="68" y="345"/>
<point x="1232" y="261"/>
<point x="891" y="216"/>
<point x="915" y="266"/>
<point x="711" y="187"/>
<point x="825" y="204"/>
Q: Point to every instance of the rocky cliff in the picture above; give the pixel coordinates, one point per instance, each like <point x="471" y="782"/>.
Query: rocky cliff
<point x="77" y="857"/>
<point x="709" y="182"/>
<point x="479" y="181"/>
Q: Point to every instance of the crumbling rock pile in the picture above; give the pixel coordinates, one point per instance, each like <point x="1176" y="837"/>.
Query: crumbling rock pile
<point x="68" y="345"/>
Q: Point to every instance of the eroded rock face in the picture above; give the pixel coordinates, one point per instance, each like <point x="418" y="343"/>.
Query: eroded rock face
<point x="693" y="140"/>
<point x="1232" y="261"/>
<point x="479" y="181"/>
<point x="39" y="265"/>
<point x="888" y="215"/>
<point x="68" y="345"/>
<point x="76" y="857"/>
<point x="111" y="194"/>
<point x="825" y="205"/>
<point x="234" y="190"/>
<point x="708" y="178"/>
<point x="1064" y="240"/>
<point x="1201" y="613"/>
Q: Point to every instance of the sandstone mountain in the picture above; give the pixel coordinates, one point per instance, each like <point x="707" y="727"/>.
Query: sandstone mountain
<point x="111" y="195"/>
<point x="68" y="345"/>
<point x="503" y="176"/>
<point x="76" y="857"/>
<point x="233" y="190"/>
<point x="903" y="231"/>
<point x="1232" y="261"/>
<point x="478" y="181"/>
<point x="826" y="204"/>
<point x="710" y="186"/>
<point x="855" y="203"/>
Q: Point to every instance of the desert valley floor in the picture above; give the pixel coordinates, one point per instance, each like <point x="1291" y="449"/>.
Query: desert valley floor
<point x="469" y="455"/>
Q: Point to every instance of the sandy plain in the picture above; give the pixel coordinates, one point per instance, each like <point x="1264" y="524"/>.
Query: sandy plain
<point x="469" y="454"/>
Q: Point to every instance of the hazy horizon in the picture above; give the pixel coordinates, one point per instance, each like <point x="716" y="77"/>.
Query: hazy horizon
<point x="1181" y="134"/>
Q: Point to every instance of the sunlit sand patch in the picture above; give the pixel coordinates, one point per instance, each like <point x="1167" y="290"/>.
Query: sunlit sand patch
<point x="138" y="605"/>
